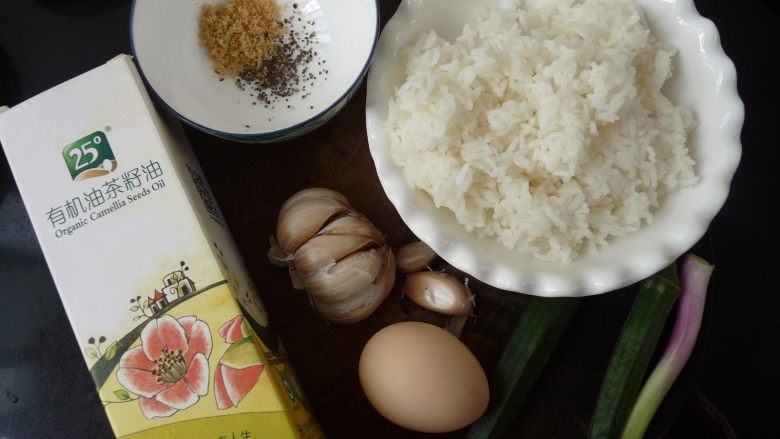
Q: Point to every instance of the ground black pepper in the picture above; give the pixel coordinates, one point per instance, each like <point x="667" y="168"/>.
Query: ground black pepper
<point x="287" y="71"/>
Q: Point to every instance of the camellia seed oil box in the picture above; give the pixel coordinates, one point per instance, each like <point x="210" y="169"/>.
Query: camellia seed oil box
<point x="168" y="321"/>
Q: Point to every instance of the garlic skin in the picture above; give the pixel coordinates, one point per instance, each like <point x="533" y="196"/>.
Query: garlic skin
<point x="314" y="192"/>
<point x="352" y="224"/>
<point x="276" y="255"/>
<point x="334" y="253"/>
<point x="346" y="279"/>
<point x="414" y="257"/>
<point x="304" y="219"/>
<point x="439" y="292"/>
<point x="362" y="305"/>
<point x="323" y="251"/>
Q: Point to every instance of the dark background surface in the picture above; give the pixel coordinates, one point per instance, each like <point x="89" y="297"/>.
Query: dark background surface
<point x="46" y="391"/>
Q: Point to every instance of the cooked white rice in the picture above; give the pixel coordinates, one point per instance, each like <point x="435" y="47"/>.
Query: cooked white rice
<point x="545" y="128"/>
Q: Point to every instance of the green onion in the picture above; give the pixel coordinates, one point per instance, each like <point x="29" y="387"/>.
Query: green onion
<point x="696" y="274"/>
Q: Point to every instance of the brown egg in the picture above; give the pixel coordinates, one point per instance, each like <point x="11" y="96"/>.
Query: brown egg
<point x="421" y="377"/>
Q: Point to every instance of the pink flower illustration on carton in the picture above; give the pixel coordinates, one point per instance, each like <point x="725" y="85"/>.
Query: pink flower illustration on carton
<point x="239" y="368"/>
<point x="170" y="370"/>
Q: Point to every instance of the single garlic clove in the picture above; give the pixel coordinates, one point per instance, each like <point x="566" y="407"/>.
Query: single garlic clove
<point x="414" y="257"/>
<point x="438" y="292"/>
<point x="314" y="192"/>
<point x="303" y="220"/>
<point x="361" y="306"/>
<point x="322" y="252"/>
<point x="353" y="224"/>
<point x="348" y="278"/>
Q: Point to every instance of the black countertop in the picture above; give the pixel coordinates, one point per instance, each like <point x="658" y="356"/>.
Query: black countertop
<point x="46" y="392"/>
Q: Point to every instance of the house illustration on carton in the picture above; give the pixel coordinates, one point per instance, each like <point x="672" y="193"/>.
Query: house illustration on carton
<point x="156" y="303"/>
<point x="176" y="284"/>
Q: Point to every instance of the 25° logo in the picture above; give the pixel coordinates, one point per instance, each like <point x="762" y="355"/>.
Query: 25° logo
<point x="91" y="156"/>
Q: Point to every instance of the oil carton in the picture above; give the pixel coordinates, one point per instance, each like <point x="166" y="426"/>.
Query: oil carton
<point x="169" y="323"/>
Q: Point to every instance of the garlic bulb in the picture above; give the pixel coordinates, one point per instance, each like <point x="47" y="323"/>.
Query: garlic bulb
<point x="334" y="253"/>
<point x="414" y="257"/>
<point x="439" y="292"/>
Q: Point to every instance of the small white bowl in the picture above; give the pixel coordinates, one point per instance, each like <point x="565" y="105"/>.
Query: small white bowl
<point x="166" y="44"/>
<point x="704" y="79"/>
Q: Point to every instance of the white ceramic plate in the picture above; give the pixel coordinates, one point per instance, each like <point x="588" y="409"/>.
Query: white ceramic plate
<point x="704" y="80"/>
<point x="165" y="40"/>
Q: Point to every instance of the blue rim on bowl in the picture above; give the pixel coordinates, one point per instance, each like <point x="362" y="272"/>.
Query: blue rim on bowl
<point x="296" y="130"/>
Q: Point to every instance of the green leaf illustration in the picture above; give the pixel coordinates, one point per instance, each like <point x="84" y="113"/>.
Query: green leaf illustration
<point x="135" y="308"/>
<point x="137" y="318"/>
<point x="122" y="394"/>
<point x="91" y="353"/>
<point x="241" y="354"/>
<point x="110" y="351"/>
